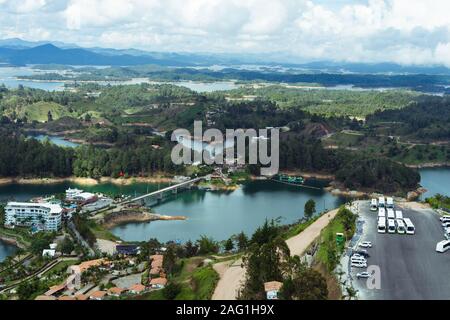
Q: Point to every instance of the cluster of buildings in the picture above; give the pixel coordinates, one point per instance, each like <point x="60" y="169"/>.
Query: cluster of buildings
<point x="157" y="276"/>
<point x="70" y="289"/>
<point x="46" y="214"/>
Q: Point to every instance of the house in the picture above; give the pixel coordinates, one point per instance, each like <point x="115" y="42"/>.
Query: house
<point x="127" y="249"/>
<point x="115" y="291"/>
<point x="81" y="297"/>
<point x="73" y="281"/>
<point x="156" y="264"/>
<point x="80" y="197"/>
<point x="158" y="283"/>
<point x="272" y="288"/>
<point x="39" y="216"/>
<point x="45" y="298"/>
<point x="97" y="295"/>
<point x="66" y="298"/>
<point x="55" y="289"/>
<point x="49" y="253"/>
<point x="137" y="289"/>
<point x="80" y="268"/>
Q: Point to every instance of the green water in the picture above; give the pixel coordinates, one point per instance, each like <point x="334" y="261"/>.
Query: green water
<point x="6" y="250"/>
<point x="216" y="214"/>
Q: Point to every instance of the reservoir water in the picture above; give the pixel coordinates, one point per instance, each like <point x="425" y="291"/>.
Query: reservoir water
<point x="435" y="180"/>
<point x="6" y="250"/>
<point x="217" y="214"/>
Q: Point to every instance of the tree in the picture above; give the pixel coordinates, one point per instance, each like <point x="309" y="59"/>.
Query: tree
<point x="264" y="263"/>
<point x="191" y="249"/>
<point x="310" y="208"/>
<point x="67" y="246"/>
<point x="242" y="241"/>
<point x="229" y="245"/>
<point x="172" y="290"/>
<point x="207" y="246"/>
<point x="170" y="259"/>
<point x="307" y="284"/>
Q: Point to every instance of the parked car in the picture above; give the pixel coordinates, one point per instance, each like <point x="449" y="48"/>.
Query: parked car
<point x="359" y="264"/>
<point x="362" y="252"/>
<point x="366" y="244"/>
<point x="445" y="218"/>
<point x="363" y="275"/>
<point x="446" y="224"/>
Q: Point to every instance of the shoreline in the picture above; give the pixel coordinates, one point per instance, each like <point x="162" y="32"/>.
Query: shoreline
<point x="429" y="165"/>
<point x="85" y="181"/>
<point x="137" y="217"/>
<point x="12" y="241"/>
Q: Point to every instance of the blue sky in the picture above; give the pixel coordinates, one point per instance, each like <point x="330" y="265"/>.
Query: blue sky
<point x="401" y="31"/>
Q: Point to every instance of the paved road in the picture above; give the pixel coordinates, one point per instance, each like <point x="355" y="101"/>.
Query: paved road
<point x="232" y="276"/>
<point x="410" y="267"/>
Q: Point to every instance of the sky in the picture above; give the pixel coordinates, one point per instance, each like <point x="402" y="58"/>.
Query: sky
<point x="401" y="31"/>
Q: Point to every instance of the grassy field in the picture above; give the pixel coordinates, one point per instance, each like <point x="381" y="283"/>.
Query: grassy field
<point x="39" y="111"/>
<point x="61" y="266"/>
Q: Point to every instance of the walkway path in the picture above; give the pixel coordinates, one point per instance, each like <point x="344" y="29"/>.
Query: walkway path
<point x="232" y="275"/>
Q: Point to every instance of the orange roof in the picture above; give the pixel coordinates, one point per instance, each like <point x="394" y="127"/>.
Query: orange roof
<point x="55" y="289"/>
<point x="97" y="294"/>
<point x="66" y="298"/>
<point x="91" y="263"/>
<point x="137" y="288"/>
<point x="115" y="290"/>
<point x="45" y="298"/>
<point x="155" y="270"/>
<point x="272" y="286"/>
<point x="157" y="257"/>
<point x="81" y="297"/>
<point x="159" y="281"/>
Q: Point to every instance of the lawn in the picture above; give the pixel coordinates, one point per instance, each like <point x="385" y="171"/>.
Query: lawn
<point x="39" y="111"/>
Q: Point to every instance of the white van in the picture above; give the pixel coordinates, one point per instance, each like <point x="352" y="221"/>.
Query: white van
<point x="443" y="246"/>
<point x="374" y="205"/>
<point x="390" y="203"/>
<point x="381" y="213"/>
<point x="381" y="225"/>
<point x="398" y="214"/>
<point x="391" y="226"/>
<point x="401" y="229"/>
<point x="390" y="213"/>
<point x="410" y="229"/>
<point x="381" y="203"/>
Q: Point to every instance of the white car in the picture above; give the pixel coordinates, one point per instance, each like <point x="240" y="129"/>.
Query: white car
<point x="445" y="218"/>
<point x="366" y="244"/>
<point x="359" y="264"/>
<point x="446" y="224"/>
<point x="358" y="260"/>
<point x="363" y="275"/>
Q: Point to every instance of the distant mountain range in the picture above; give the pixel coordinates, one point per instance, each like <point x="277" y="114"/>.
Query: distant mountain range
<point x="20" y="52"/>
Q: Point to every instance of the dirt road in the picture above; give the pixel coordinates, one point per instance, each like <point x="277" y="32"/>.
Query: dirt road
<point x="232" y="275"/>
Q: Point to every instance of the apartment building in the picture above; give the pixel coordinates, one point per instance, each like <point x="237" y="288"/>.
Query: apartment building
<point x="40" y="216"/>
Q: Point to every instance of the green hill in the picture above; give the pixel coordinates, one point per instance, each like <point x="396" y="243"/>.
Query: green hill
<point x="39" y="111"/>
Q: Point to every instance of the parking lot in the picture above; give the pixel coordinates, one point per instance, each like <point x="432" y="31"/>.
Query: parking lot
<point x="410" y="267"/>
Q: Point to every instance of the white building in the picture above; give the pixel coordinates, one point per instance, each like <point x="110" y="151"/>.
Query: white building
<point x="42" y="216"/>
<point x="80" y="196"/>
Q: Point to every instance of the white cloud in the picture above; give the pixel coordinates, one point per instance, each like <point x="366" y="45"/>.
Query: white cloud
<point x="403" y="31"/>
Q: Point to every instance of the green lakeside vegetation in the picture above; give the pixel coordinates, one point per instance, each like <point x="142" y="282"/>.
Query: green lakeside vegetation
<point x="126" y="150"/>
<point x="330" y="251"/>
<point x="439" y="201"/>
